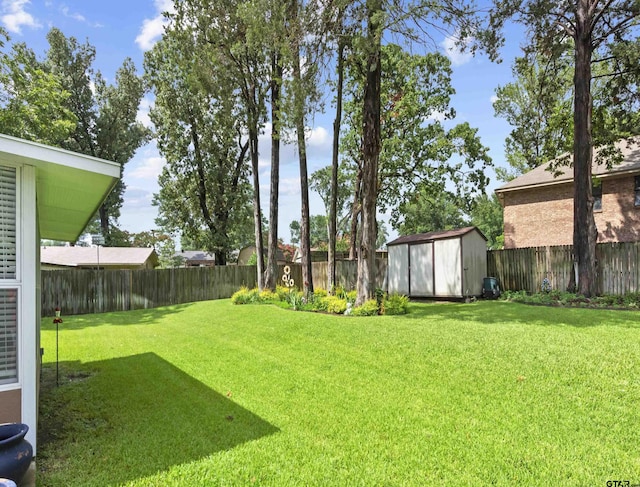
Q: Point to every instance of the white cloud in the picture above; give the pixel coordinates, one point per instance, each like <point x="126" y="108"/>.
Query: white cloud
<point x="493" y="99"/>
<point x="143" y="112"/>
<point x="290" y="186"/>
<point x="152" y="29"/>
<point x="14" y="16"/>
<point x="138" y="197"/>
<point x="437" y="116"/>
<point x="149" y="168"/>
<point x="452" y="50"/>
<point x="72" y="15"/>
<point x="77" y="16"/>
<point x="318" y="137"/>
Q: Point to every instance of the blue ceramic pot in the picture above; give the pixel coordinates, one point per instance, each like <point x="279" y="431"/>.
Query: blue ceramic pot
<point x="15" y="452"/>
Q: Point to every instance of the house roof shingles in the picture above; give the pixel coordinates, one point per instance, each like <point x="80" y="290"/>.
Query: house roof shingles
<point x="88" y="256"/>
<point x="196" y="256"/>
<point x="541" y="176"/>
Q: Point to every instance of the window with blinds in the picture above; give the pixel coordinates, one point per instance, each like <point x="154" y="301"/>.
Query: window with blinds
<point x="7" y="222"/>
<point x="8" y="296"/>
<point x="8" y="336"/>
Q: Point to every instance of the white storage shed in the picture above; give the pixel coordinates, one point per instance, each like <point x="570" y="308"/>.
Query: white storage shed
<point x="447" y="264"/>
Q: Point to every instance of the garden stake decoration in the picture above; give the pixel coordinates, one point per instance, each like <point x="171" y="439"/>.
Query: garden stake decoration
<point x="286" y="277"/>
<point x="57" y="320"/>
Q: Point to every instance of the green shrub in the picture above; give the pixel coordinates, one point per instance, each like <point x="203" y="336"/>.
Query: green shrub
<point x="395" y="304"/>
<point x="336" y="305"/>
<point x="268" y="295"/>
<point x="380" y="295"/>
<point x="282" y="292"/>
<point x="320" y="293"/>
<point x="368" y="308"/>
<point x="306" y="306"/>
<point x="632" y="300"/>
<point x="518" y="296"/>
<point x="295" y="299"/>
<point x="351" y="296"/>
<point x="245" y="295"/>
<point x="321" y="303"/>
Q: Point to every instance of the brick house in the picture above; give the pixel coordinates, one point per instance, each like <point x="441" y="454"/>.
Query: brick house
<point x="538" y="207"/>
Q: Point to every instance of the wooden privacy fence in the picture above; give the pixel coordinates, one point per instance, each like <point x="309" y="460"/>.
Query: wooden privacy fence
<point x="347" y="273"/>
<point x="618" y="267"/>
<point x="93" y="291"/>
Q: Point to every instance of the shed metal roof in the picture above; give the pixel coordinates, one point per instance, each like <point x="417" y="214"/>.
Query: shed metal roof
<point x="431" y="236"/>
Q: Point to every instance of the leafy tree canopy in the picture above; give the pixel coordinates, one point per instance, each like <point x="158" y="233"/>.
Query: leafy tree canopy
<point x="204" y="190"/>
<point x="417" y="151"/>
<point x="33" y="102"/>
<point x="106" y="125"/>
<point x="487" y="215"/>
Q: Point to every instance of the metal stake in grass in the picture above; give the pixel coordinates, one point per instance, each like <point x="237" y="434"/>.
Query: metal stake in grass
<point x="57" y="320"/>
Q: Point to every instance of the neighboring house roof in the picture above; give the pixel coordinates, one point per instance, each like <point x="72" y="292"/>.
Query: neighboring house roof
<point x="431" y="236"/>
<point x="541" y="176"/>
<point x="249" y="250"/>
<point x="70" y="187"/>
<point x="94" y="256"/>
<point x="197" y="256"/>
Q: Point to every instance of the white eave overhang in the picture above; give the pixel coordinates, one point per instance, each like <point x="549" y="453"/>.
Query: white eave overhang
<point x="70" y="187"/>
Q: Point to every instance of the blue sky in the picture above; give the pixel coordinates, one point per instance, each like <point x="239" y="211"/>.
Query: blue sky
<point x="120" y="29"/>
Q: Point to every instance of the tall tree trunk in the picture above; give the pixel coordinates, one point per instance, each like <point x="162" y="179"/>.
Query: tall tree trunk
<point x="202" y="189"/>
<point x="104" y="224"/>
<point x="271" y="272"/>
<point x="356" y="209"/>
<point x="370" y="154"/>
<point x="584" y="227"/>
<point x="333" y="208"/>
<point x="220" y="257"/>
<point x="257" y="213"/>
<point x="299" y="111"/>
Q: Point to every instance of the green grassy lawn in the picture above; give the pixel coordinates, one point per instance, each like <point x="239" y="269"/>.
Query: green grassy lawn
<point x="452" y="394"/>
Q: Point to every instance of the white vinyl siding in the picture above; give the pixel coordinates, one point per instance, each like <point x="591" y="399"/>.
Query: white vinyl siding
<point x="8" y="336"/>
<point x="9" y="303"/>
<point x="8" y="241"/>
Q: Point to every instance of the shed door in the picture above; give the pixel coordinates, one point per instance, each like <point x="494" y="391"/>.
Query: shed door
<point x="448" y="267"/>
<point x="421" y="269"/>
<point x="399" y="269"/>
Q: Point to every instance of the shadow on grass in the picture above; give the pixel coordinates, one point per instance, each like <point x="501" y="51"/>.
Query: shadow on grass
<point x="116" y="318"/>
<point x="122" y="419"/>
<point x="492" y="312"/>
